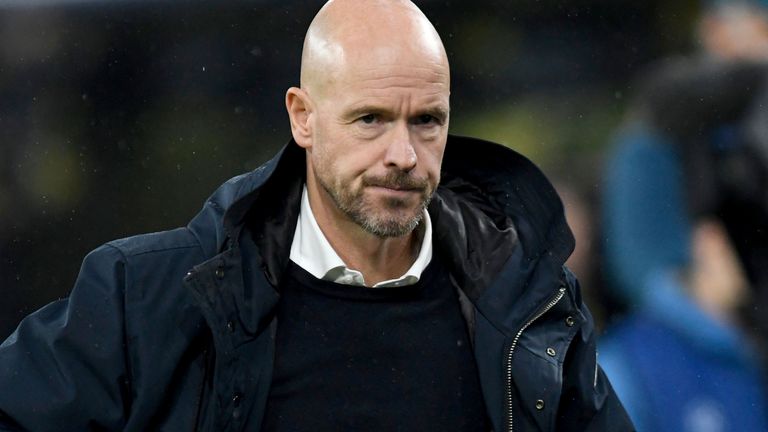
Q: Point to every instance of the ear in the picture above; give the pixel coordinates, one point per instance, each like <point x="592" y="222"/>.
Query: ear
<point x="300" y="109"/>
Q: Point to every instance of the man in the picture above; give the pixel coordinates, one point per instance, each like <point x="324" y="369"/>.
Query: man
<point x="253" y="316"/>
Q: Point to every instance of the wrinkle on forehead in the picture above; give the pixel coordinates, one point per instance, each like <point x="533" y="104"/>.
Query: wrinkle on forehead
<point x="358" y="35"/>
<point x="431" y="75"/>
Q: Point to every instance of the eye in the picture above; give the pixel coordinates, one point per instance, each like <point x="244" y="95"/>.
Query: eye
<point x="425" y="119"/>
<point x="368" y="118"/>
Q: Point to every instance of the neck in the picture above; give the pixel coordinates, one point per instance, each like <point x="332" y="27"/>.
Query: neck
<point x="377" y="258"/>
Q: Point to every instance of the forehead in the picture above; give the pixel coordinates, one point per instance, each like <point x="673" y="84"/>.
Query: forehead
<point x="384" y="78"/>
<point x="394" y="75"/>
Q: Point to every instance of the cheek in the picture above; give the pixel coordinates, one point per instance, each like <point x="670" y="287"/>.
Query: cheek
<point x="326" y="151"/>
<point x="432" y="158"/>
<point x="341" y="165"/>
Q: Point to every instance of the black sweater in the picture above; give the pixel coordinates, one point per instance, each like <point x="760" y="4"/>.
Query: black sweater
<point x="352" y="358"/>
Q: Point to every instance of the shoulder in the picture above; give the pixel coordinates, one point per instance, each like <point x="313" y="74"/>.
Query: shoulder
<point x="155" y="243"/>
<point x="152" y="264"/>
<point x="161" y="318"/>
<point x="157" y="253"/>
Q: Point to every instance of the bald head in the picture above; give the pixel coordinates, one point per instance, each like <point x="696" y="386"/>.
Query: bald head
<point x="349" y="34"/>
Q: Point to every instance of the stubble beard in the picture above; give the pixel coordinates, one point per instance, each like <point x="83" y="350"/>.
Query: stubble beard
<point x="390" y="220"/>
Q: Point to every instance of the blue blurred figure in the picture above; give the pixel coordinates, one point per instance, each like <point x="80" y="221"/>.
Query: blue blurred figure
<point x="686" y="234"/>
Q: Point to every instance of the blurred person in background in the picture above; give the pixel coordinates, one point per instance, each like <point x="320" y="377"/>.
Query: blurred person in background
<point x="686" y="233"/>
<point x="336" y="287"/>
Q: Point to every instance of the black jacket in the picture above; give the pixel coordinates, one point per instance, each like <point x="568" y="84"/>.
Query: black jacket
<point x="174" y="330"/>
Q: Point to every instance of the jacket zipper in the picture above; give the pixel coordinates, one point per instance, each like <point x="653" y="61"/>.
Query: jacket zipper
<point x="545" y="309"/>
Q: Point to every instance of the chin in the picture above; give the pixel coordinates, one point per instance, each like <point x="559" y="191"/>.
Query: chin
<point x="385" y="225"/>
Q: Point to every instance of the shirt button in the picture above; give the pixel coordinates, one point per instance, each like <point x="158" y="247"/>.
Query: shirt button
<point x="551" y="352"/>
<point x="220" y="272"/>
<point x="570" y="321"/>
<point x="540" y="404"/>
<point x="231" y="326"/>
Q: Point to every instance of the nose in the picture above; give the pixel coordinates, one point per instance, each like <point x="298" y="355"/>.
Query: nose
<point x="400" y="152"/>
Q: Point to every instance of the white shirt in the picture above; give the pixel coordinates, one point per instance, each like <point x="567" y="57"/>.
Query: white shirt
<point x="312" y="252"/>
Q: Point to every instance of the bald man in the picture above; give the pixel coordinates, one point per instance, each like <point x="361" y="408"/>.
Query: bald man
<point x="376" y="275"/>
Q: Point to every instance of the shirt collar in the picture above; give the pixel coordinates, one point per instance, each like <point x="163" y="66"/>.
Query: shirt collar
<point x="311" y="250"/>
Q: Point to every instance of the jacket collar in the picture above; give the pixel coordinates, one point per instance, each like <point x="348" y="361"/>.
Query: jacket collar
<point x="507" y="179"/>
<point x="497" y="220"/>
<point x="513" y="227"/>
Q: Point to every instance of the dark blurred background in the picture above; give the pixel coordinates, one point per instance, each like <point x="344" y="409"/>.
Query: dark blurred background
<point x="120" y="117"/>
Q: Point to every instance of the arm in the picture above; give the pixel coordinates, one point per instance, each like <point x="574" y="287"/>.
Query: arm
<point x="64" y="368"/>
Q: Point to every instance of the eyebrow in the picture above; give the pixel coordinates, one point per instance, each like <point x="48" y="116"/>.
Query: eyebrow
<point x="438" y="111"/>
<point x="362" y="110"/>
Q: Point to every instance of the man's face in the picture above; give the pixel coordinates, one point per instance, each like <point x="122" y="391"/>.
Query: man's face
<point x="377" y="144"/>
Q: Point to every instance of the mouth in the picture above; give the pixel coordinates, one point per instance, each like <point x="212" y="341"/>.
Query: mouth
<point x="395" y="189"/>
<point x="397" y="185"/>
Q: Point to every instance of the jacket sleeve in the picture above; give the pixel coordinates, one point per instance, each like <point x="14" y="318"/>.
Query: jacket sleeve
<point x="588" y="402"/>
<point x="64" y="368"/>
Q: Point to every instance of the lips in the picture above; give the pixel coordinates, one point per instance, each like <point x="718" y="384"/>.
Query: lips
<point x="398" y="188"/>
<point x="396" y="182"/>
<point x="395" y="191"/>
